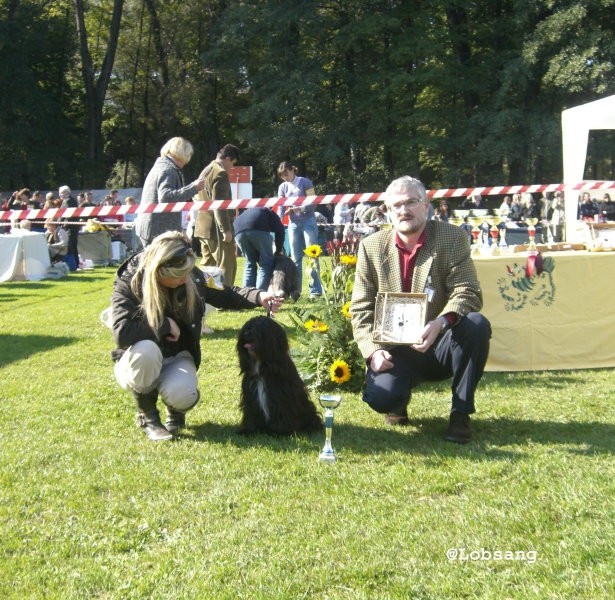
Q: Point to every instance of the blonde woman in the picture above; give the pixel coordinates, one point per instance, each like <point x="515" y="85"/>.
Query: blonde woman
<point x="157" y="310"/>
<point x="165" y="183"/>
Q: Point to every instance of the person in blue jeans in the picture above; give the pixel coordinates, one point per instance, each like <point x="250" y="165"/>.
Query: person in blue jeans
<point x="302" y="226"/>
<point x="253" y="229"/>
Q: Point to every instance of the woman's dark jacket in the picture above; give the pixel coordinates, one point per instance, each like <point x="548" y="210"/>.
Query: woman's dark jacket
<point x="130" y="326"/>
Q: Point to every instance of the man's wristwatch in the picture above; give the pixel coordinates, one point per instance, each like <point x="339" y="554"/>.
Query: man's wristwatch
<point x="444" y="324"/>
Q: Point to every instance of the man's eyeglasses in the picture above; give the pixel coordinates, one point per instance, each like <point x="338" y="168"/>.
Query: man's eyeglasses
<point x="179" y="258"/>
<point x="401" y="206"/>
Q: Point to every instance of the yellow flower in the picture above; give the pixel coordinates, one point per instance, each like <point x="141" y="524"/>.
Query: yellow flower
<point x="315" y="325"/>
<point x="340" y="371"/>
<point x="348" y="259"/>
<point x="313" y="251"/>
<point x="346" y="310"/>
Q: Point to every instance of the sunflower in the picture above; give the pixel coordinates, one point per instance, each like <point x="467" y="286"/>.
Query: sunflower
<point x="340" y="371"/>
<point x="346" y="310"/>
<point x="316" y="325"/>
<point x="348" y="259"/>
<point x="313" y="251"/>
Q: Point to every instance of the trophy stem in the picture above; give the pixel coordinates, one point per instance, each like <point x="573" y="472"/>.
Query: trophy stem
<point x="327" y="454"/>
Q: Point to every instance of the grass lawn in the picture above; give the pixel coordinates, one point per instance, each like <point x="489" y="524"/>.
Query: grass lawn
<point x="91" y="509"/>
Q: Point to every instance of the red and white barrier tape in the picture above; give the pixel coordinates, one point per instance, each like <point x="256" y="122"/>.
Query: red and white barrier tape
<point x="107" y="211"/>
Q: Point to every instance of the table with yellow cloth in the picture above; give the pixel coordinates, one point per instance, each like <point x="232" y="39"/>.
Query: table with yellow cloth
<point x="562" y="318"/>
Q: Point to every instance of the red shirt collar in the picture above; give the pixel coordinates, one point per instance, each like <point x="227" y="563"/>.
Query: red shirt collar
<point x="400" y="244"/>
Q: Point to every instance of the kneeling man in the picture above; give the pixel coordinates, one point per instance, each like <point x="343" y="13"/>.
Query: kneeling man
<point x="421" y="256"/>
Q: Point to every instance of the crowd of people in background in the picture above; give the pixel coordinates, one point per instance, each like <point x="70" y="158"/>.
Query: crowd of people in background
<point x="217" y="240"/>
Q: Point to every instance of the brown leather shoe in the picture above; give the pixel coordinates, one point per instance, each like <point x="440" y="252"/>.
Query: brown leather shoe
<point x="458" y="428"/>
<point x="397" y="418"/>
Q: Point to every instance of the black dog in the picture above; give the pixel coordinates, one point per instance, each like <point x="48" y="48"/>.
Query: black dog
<point x="274" y="399"/>
<point x="285" y="277"/>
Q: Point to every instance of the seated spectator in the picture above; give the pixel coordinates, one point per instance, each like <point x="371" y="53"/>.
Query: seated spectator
<point x="516" y="210"/>
<point x="36" y="201"/>
<point x="49" y="201"/>
<point x="504" y="209"/>
<point x="57" y="240"/>
<point x="372" y="219"/>
<point x="360" y="209"/>
<point x="558" y="217"/>
<point x="321" y="220"/>
<point x="109" y="201"/>
<point x="441" y="213"/>
<point x="607" y="208"/>
<point x="588" y="207"/>
<point x="530" y="209"/>
<point x="130" y="217"/>
<point x="342" y="216"/>
<point x="85" y="199"/>
<point x="19" y="200"/>
<point x="474" y="201"/>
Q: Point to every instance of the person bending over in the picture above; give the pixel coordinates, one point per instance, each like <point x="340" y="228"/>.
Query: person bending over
<point x="421" y="256"/>
<point x="157" y="308"/>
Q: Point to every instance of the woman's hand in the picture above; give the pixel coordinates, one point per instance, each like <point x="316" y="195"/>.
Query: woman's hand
<point x="173" y="335"/>
<point x="271" y="301"/>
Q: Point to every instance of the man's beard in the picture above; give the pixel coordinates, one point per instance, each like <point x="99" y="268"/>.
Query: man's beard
<point x="411" y="225"/>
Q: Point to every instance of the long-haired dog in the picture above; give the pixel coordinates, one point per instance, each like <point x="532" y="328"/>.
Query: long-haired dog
<point x="274" y="399"/>
<point x="285" y="277"/>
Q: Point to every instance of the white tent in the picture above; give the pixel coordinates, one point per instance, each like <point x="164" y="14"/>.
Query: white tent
<point x="576" y="123"/>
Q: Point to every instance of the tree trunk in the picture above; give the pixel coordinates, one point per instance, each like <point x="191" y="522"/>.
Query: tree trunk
<point x="96" y="88"/>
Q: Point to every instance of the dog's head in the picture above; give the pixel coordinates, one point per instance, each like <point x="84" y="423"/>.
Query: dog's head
<point x="263" y="339"/>
<point x="285" y="277"/>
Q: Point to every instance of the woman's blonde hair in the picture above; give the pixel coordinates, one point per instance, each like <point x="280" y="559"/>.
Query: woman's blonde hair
<point x="178" y="147"/>
<point x="169" y="255"/>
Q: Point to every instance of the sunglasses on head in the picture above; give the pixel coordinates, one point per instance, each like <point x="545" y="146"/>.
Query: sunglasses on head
<point x="179" y="258"/>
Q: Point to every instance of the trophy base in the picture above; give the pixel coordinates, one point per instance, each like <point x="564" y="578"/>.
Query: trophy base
<point x="326" y="457"/>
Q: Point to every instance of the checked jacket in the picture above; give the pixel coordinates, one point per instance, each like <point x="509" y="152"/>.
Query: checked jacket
<point x="443" y="263"/>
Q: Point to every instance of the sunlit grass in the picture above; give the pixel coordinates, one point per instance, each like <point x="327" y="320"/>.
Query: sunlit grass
<point x="91" y="509"/>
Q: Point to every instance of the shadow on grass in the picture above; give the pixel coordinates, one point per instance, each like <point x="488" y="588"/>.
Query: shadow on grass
<point x="492" y="437"/>
<point x="28" y="285"/>
<point x="222" y="332"/>
<point x="41" y="285"/>
<point x="73" y="277"/>
<point x="18" y="347"/>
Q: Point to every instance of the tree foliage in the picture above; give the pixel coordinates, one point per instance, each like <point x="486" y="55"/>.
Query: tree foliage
<point x="354" y="91"/>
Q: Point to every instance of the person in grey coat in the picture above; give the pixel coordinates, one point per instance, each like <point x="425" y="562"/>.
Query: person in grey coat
<point x="165" y="183"/>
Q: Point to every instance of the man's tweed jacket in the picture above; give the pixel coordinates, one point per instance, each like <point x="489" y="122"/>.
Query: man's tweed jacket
<point x="444" y="262"/>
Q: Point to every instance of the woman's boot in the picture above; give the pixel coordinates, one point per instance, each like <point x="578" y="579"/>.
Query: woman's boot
<point x="175" y="421"/>
<point x="148" y="417"/>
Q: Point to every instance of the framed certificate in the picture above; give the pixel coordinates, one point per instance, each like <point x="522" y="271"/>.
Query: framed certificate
<point x="399" y="318"/>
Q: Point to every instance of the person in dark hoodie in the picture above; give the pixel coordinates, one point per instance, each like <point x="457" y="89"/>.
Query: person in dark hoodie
<point x="253" y="229"/>
<point x="157" y="308"/>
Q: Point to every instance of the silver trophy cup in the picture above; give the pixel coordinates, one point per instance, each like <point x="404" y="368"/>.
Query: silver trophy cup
<point x="329" y="402"/>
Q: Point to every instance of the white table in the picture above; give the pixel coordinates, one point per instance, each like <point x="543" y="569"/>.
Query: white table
<point x="23" y="256"/>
